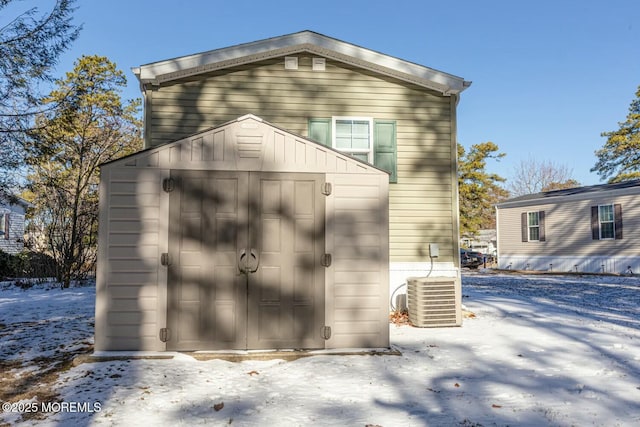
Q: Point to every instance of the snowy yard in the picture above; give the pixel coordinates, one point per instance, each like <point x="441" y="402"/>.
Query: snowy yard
<point x="539" y="350"/>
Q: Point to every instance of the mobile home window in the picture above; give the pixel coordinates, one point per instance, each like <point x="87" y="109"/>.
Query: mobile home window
<point x="353" y="135"/>
<point x="606" y="220"/>
<point x="534" y="226"/>
<point x="368" y="139"/>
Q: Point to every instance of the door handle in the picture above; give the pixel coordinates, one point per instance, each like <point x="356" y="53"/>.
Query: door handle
<point x="248" y="262"/>
<point x="254" y="261"/>
<point x="242" y="264"/>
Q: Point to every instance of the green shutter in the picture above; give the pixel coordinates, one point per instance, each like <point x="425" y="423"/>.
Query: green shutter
<point x="320" y="131"/>
<point x="384" y="147"/>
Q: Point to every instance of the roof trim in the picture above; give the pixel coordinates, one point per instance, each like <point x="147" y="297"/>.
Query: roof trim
<point x="160" y="72"/>
<point x="620" y="188"/>
<point x="9" y="199"/>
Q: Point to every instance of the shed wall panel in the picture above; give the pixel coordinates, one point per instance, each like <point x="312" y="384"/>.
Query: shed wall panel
<point x="129" y="273"/>
<point x="358" y="278"/>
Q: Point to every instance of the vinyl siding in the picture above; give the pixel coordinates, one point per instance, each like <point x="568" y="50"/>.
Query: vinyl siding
<point x="15" y="243"/>
<point x="425" y="194"/>
<point x="568" y="229"/>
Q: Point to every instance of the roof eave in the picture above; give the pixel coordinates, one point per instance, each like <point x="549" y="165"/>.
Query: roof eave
<point x="581" y="193"/>
<point x="306" y="41"/>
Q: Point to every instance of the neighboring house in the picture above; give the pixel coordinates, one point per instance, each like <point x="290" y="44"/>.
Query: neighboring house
<point x="585" y="229"/>
<point x="298" y="113"/>
<point x="483" y="241"/>
<point x="12" y="225"/>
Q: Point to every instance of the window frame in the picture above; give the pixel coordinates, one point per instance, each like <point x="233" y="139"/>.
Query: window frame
<point x="612" y="221"/>
<point x="369" y="152"/>
<point x="531" y="227"/>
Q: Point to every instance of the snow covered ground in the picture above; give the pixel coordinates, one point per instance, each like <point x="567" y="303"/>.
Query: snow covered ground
<point x="541" y="350"/>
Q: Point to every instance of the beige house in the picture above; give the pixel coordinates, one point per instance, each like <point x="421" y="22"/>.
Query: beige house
<point x="586" y="229"/>
<point x="347" y="116"/>
<point x="395" y="114"/>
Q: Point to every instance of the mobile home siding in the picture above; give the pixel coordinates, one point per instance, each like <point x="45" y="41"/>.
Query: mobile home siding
<point x="569" y="242"/>
<point x="422" y="203"/>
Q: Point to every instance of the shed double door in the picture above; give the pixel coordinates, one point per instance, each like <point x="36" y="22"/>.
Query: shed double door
<point x="245" y="254"/>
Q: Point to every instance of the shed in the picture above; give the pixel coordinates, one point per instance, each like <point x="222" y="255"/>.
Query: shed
<point x="243" y="236"/>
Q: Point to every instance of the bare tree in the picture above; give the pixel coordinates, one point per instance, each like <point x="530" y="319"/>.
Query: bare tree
<point x="533" y="176"/>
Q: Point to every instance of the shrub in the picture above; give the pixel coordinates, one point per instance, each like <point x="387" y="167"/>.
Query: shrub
<point x="26" y="264"/>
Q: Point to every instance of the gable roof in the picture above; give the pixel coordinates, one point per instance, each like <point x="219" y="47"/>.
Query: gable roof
<point x="7" y="199"/>
<point x="558" y="195"/>
<point x="305" y="41"/>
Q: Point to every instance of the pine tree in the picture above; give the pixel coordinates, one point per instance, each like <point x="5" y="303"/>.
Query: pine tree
<point x="90" y="126"/>
<point x="478" y="189"/>
<point x="619" y="159"/>
<point x="30" y="45"/>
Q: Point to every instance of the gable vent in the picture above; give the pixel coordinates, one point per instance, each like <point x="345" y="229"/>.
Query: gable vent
<point x="433" y="302"/>
<point x="249" y="146"/>
<point x="290" y="62"/>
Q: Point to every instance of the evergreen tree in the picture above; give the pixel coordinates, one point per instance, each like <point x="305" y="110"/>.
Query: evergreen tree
<point x="478" y="189"/>
<point x="552" y="186"/>
<point x="30" y="45"/>
<point x="90" y="126"/>
<point x="619" y="159"/>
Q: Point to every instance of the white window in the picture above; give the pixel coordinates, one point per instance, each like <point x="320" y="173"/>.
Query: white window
<point x="354" y="136"/>
<point x="534" y="226"/>
<point x="606" y="220"/>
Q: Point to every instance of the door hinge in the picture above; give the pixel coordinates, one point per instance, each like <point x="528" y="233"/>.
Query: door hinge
<point x="165" y="259"/>
<point x="326" y="332"/>
<point x="326" y="260"/>
<point x="326" y="188"/>
<point x="168" y="184"/>
<point x="164" y="334"/>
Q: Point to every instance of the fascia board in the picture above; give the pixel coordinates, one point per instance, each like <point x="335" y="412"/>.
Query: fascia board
<point x="163" y="71"/>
